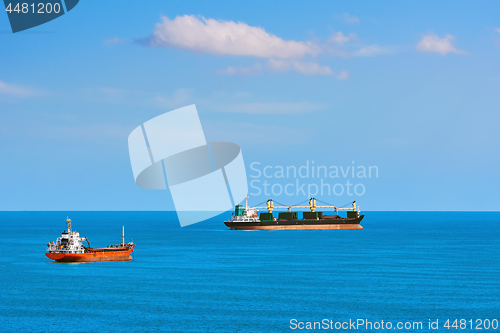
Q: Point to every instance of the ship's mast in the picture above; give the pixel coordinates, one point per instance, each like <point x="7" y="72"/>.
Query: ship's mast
<point x="123" y="236"/>
<point x="68" y="223"/>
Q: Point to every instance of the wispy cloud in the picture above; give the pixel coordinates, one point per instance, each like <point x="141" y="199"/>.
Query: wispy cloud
<point x="340" y="38"/>
<point x="112" y="92"/>
<point x="304" y="67"/>
<point x="433" y="44"/>
<point x="375" y="50"/>
<point x="350" y="19"/>
<point x="271" y="108"/>
<point x="232" y="70"/>
<point x="283" y="65"/>
<point x="217" y="101"/>
<point x="140" y="98"/>
<point x="179" y="98"/>
<point x="91" y="131"/>
<point x="343" y="75"/>
<point x="497" y="30"/>
<point x="257" y="134"/>
<point x="225" y="38"/>
<point x="114" y="40"/>
<point x="14" y="90"/>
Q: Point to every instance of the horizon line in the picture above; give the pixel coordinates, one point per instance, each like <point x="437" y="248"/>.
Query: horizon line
<point x="173" y="211"/>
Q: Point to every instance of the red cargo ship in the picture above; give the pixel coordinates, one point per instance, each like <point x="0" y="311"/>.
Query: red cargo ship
<point x="69" y="248"/>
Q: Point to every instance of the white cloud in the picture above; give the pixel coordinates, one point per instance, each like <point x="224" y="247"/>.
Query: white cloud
<point x="374" y="50"/>
<point x="340" y="38"/>
<point x="280" y="65"/>
<point x="114" y="40"/>
<point x="343" y="75"/>
<point x="198" y="34"/>
<point x="225" y="38"/>
<point x="311" y="68"/>
<point x="16" y="90"/>
<point x="232" y="70"/>
<point x="443" y="46"/>
<point x="497" y="30"/>
<point x="268" y="108"/>
<point x="350" y="19"/>
<point x="304" y="67"/>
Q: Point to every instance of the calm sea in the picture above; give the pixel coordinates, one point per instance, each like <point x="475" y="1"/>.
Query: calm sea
<point x="403" y="267"/>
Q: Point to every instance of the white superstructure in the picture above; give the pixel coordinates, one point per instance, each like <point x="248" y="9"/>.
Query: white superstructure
<point x="69" y="242"/>
<point x="250" y="214"/>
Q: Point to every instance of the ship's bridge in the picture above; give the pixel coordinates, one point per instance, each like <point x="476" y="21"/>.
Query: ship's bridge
<point x="69" y="242"/>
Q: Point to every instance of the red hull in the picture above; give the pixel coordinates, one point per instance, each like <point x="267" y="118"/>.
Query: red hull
<point x="93" y="255"/>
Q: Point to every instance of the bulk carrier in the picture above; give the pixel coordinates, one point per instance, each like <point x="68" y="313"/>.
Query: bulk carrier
<point x="69" y="248"/>
<point x="247" y="218"/>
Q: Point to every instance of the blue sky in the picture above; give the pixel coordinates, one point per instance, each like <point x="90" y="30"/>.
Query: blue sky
<point x="412" y="88"/>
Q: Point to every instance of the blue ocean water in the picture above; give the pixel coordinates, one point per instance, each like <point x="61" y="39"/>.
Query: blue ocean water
<point x="404" y="266"/>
